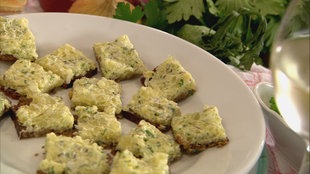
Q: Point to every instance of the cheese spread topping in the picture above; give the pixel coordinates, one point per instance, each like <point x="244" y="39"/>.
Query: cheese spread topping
<point x="27" y="77"/>
<point x="126" y="163"/>
<point x="17" y="39"/>
<point x="67" y="62"/>
<point x="103" y="93"/>
<point x="146" y="139"/>
<point x="45" y="113"/>
<point x="73" y="155"/>
<point x="119" y="59"/>
<point x="171" y="78"/>
<point x="200" y="127"/>
<point x="152" y="106"/>
<point x="100" y="127"/>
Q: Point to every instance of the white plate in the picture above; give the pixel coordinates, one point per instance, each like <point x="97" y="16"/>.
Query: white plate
<point x="217" y="85"/>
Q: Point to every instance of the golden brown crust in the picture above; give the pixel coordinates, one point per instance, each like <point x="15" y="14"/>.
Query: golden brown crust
<point x="8" y="58"/>
<point x="142" y="80"/>
<point x="22" y="102"/>
<point x="190" y="148"/>
<point x="10" y="92"/>
<point x="131" y="116"/>
<point x="137" y="118"/>
<point x="40" y="172"/>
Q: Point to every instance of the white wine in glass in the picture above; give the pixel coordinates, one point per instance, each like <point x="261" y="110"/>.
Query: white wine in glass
<point x="290" y="69"/>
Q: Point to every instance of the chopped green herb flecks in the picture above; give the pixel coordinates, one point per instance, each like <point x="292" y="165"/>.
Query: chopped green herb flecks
<point x="273" y="105"/>
<point x="149" y="133"/>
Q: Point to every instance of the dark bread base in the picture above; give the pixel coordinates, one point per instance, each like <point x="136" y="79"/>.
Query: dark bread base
<point x="23" y="134"/>
<point x="21" y="130"/>
<point x="136" y="119"/>
<point x="11" y="58"/>
<point x="88" y="74"/>
<point x="15" y="95"/>
<point x="190" y="148"/>
<point x="8" y="58"/>
<point x="10" y="92"/>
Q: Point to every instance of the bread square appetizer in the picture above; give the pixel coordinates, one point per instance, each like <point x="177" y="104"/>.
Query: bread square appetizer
<point x="146" y="139"/>
<point x="99" y="127"/>
<point x="73" y="155"/>
<point x="41" y="114"/>
<point x="103" y="93"/>
<point x="125" y="162"/>
<point x="171" y="79"/>
<point x="25" y="77"/>
<point x="69" y="63"/>
<point x="17" y="40"/>
<point x="150" y="105"/>
<point x="198" y="131"/>
<point x="118" y="60"/>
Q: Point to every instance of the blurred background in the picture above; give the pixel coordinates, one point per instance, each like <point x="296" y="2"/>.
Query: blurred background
<point x="239" y="32"/>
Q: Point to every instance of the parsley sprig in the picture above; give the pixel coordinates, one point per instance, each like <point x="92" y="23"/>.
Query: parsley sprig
<point x="238" y="32"/>
<point x="124" y="12"/>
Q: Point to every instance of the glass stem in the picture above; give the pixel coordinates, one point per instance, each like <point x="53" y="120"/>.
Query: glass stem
<point x="305" y="165"/>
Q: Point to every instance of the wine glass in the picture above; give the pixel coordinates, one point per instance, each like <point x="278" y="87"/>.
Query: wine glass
<point x="290" y="69"/>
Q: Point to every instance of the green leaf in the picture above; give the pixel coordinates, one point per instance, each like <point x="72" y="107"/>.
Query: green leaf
<point x="179" y="10"/>
<point x="227" y="6"/>
<point x="194" y="33"/>
<point x="212" y="8"/>
<point x="303" y="20"/>
<point x="270" y="7"/>
<point x="124" y="12"/>
<point x="273" y="105"/>
<point x="272" y="28"/>
<point x="238" y="39"/>
<point x="248" y="59"/>
<point x="154" y="15"/>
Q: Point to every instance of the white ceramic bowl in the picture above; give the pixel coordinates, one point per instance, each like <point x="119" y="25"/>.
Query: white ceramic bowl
<point x="263" y="92"/>
<point x="290" y="145"/>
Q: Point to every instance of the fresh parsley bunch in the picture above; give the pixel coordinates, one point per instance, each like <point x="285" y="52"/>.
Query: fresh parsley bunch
<point x="238" y="32"/>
